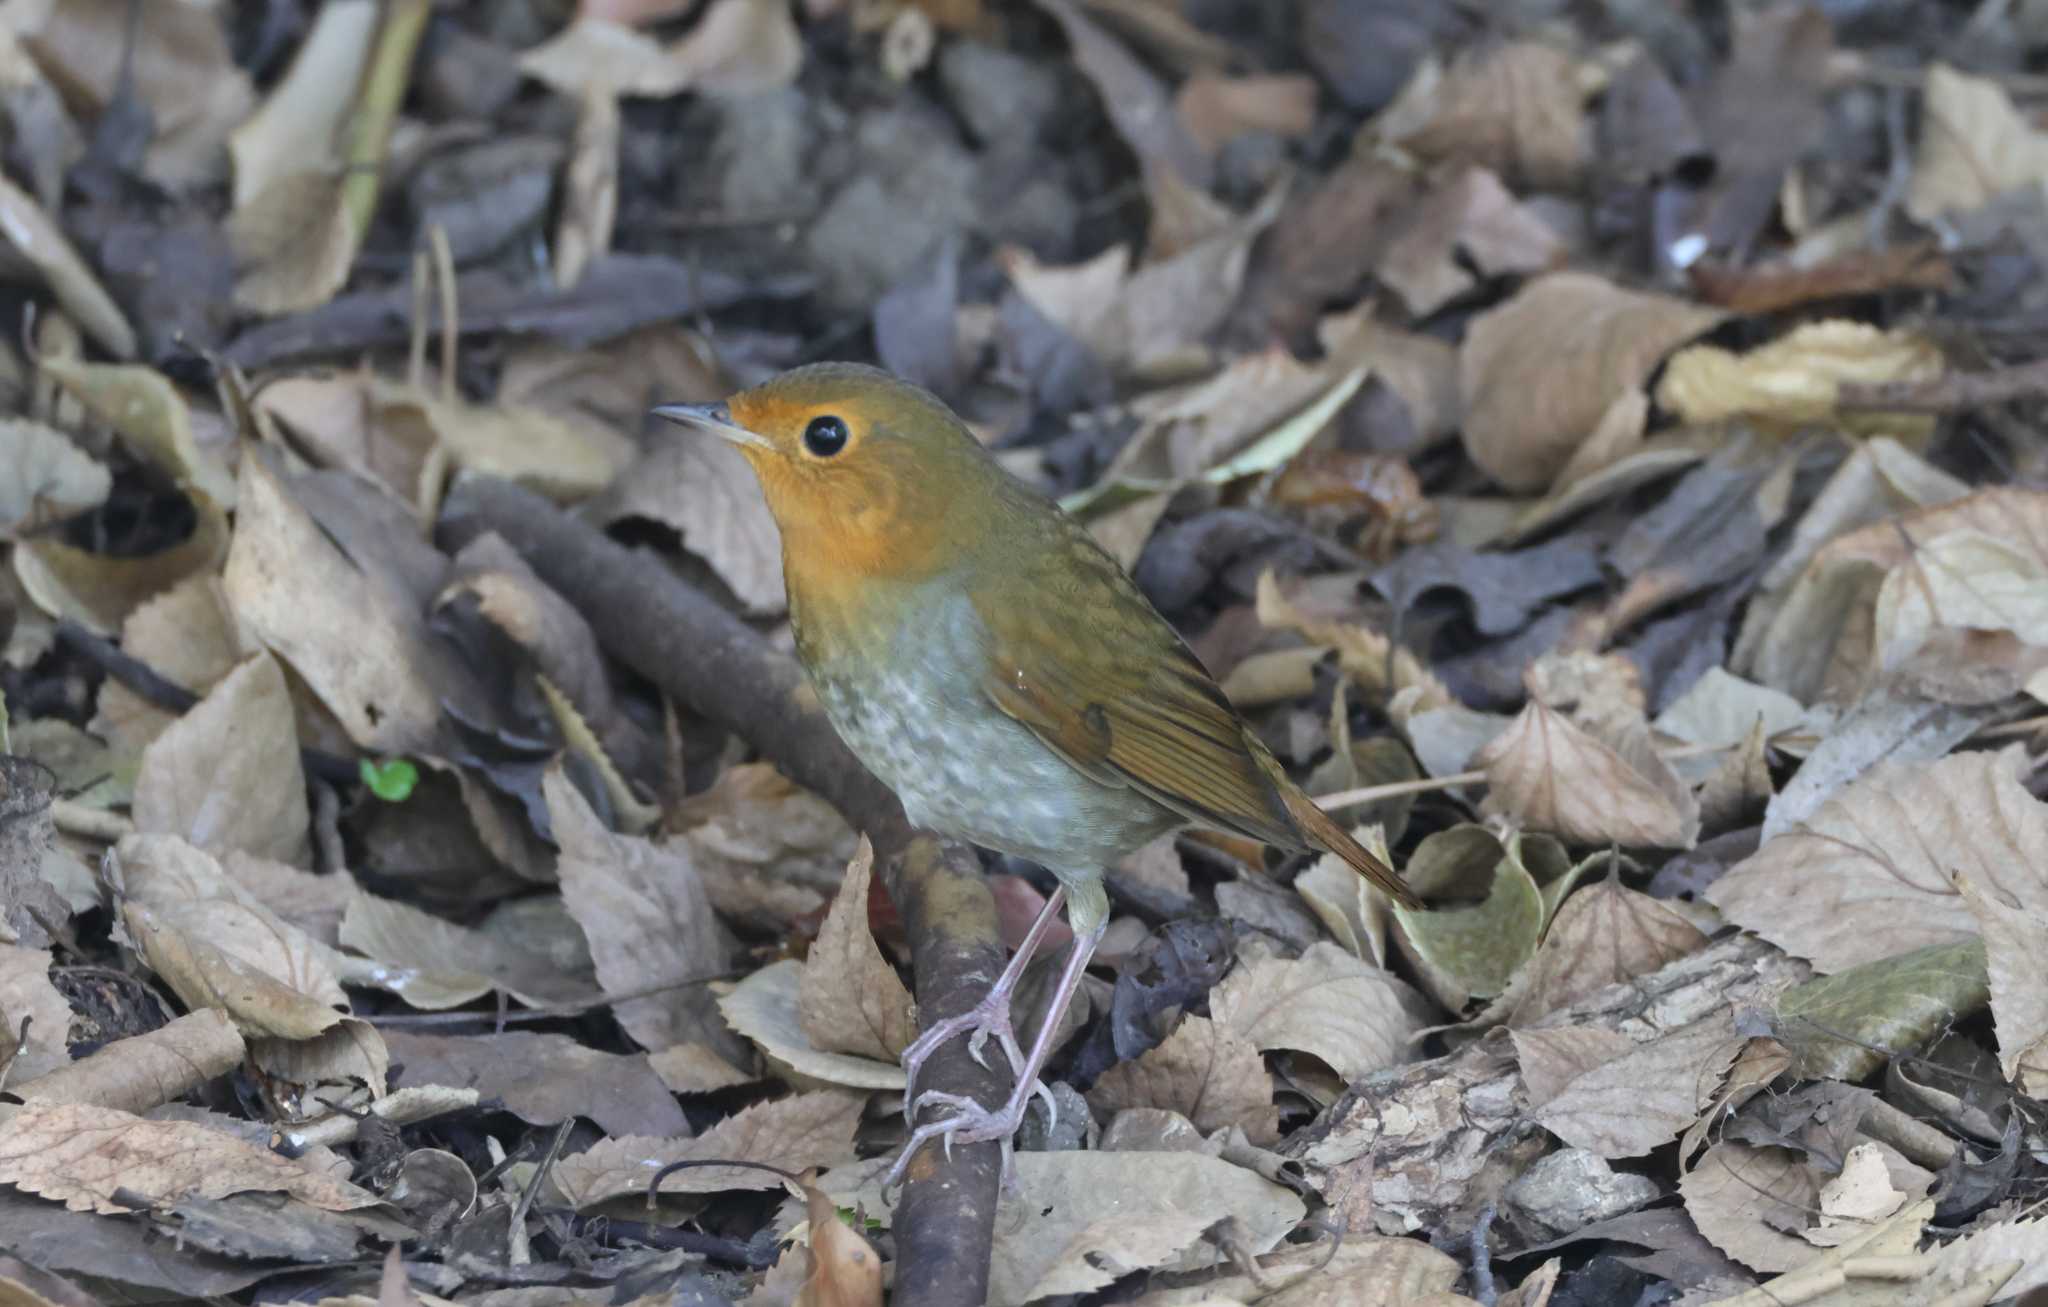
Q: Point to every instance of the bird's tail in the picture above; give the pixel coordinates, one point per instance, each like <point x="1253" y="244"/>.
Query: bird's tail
<point x="1324" y="833"/>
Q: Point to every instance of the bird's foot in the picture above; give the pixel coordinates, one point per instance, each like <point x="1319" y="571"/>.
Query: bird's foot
<point x="986" y="1020"/>
<point x="971" y="1123"/>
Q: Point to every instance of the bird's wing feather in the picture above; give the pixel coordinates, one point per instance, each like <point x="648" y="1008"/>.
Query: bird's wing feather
<point x="1129" y="704"/>
<point x="1119" y="696"/>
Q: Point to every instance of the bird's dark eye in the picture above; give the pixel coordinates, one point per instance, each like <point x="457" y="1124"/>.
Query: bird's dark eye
<point x="825" y="436"/>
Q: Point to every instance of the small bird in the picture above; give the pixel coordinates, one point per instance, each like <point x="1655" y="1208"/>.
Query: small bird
<point x="987" y="661"/>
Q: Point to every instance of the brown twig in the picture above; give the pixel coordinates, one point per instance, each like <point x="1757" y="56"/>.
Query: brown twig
<point x="1951" y="392"/>
<point x="707" y="659"/>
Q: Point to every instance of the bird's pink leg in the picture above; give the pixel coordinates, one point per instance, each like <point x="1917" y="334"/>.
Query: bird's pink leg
<point x="988" y="1018"/>
<point x="974" y="1123"/>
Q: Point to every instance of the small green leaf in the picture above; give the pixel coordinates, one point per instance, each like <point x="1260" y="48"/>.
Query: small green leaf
<point x="392" y="780"/>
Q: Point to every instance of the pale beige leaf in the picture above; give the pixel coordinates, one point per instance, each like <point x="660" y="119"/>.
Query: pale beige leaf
<point x="1468" y="228"/>
<point x="1603" y="935"/>
<point x="1217" y="110"/>
<point x="1720" y="709"/>
<point x="2013" y="936"/>
<point x="350" y="1050"/>
<point x="850" y="999"/>
<point x="590" y="205"/>
<point x="1797" y="378"/>
<point x="26" y="993"/>
<point x="100" y="590"/>
<point x="79" y="1154"/>
<point x="1964" y="580"/>
<point x="648" y="919"/>
<point x="226" y="775"/>
<point x="794" y="1133"/>
<point x="1645" y="1097"/>
<point x="433" y="963"/>
<point x="1351" y="1014"/>
<point x="355" y="636"/>
<point x="1870" y="874"/>
<point x="1551" y="775"/>
<point x="36" y="237"/>
<point x="1857" y="1198"/>
<point x="47" y="475"/>
<point x="151" y="416"/>
<point x="707" y="494"/>
<point x="1517" y="107"/>
<point x="1538" y="372"/>
<point x="143" y="1071"/>
<point x="695" y="1069"/>
<point x="1206" y="1071"/>
<point x="1553" y="1057"/>
<point x="738" y="47"/>
<point x="763" y="1008"/>
<point x="297" y="128"/>
<point x="1743" y="1198"/>
<point x="204" y="974"/>
<point x="556" y="456"/>
<point x="188" y="636"/>
<point x="293" y="244"/>
<point x="1975" y="145"/>
<point x="768" y="850"/>
<point x="1975" y="1256"/>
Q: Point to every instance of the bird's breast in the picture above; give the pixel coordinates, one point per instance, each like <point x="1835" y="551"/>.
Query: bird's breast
<point x="909" y="702"/>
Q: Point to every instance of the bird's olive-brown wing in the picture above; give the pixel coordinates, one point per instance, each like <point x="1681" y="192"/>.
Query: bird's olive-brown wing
<point x="1110" y="686"/>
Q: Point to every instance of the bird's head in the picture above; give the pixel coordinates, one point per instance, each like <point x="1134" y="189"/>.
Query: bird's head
<point x="864" y="474"/>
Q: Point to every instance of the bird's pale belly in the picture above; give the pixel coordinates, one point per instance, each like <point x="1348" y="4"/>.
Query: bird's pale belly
<point x="963" y="769"/>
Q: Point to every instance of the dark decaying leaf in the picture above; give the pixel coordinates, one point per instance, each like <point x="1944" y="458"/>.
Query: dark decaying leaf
<point x="1180" y="963"/>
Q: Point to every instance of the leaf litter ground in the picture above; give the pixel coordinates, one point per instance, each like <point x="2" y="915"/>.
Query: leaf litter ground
<point x="1601" y="453"/>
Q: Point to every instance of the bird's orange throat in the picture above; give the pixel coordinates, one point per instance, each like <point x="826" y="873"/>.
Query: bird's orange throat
<point x="845" y="528"/>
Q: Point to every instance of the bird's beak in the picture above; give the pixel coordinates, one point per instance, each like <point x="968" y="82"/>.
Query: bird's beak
<point x="714" y="418"/>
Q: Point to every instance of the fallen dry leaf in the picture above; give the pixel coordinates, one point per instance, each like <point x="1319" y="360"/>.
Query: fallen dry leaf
<point x="2019" y="991"/>
<point x="769" y="851"/>
<point x="79" y="1154"/>
<point x="352" y="634"/>
<point x="1217" y="110"/>
<point x="1207" y="1071"/>
<point x="1603" y="935"/>
<point x="695" y="1069"/>
<point x="298" y="125"/>
<point x="737" y="47"/>
<point x="143" y="1071"/>
<point x="1796" y="379"/>
<point x="226" y="775"/>
<point x="1645" y="1097"/>
<point x="590" y="205"/>
<point x="544" y="1078"/>
<point x="1518" y="108"/>
<point x="435" y="964"/>
<point x="1743" y="1198"/>
<point x="49" y="476"/>
<point x="794" y="1133"/>
<point x="649" y="921"/>
<point x="1469" y="227"/>
<point x="703" y="490"/>
<point x="294" y="243"/>
<point x="1858" y="1197"/>
<point x="1553" y="775"/>
<point x="34" y="236"/>
<point x="26" y="994"/>
<point x="1974" y="146"/>
<point x="763" y="1008"/>
<point x="1869" y="875"/>
<point x="850" y="999"/>
<point x="1525" y="414"/>
<point x="1351" y="1014"/>
<point x="100" y="590"/>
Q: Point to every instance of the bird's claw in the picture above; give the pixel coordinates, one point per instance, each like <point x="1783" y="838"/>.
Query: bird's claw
<point x="990" y="1017"/>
